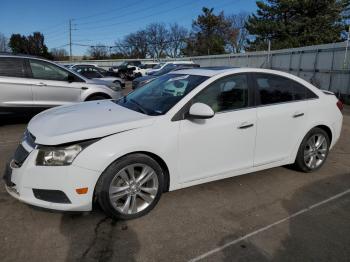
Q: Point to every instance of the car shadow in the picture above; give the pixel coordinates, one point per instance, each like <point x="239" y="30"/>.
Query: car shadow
<point x="15" y="119"/>
<point x="322" y="234"/>
<point x="92" y="236"/>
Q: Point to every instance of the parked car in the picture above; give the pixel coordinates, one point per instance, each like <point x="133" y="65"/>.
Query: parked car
<point x="93" y="72"/>
<point x="28" y="82"/>
<point x="140" y="81"/>
<point x="125" y="69"/>
<point x="161" y="65"/>
<point x="144" y="68"/>
<point x="185" y="128"/>
<point x="148" y="65"/>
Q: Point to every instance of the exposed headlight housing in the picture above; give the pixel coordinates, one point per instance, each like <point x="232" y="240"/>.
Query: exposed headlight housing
<point x="61" y="155"/>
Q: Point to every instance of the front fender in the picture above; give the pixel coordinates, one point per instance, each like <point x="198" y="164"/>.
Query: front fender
<point x="101" y="154"/>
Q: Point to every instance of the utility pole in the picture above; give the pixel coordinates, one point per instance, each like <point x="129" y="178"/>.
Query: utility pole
<point x="70" y="39"/>
<point x="345" y="65"/>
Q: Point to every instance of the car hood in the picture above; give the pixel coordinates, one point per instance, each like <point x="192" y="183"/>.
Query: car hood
<point x="84" y="121"/>
<point x="109" y="79"/>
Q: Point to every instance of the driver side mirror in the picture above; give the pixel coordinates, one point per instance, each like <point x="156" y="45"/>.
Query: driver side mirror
<point x="200" y="111"/>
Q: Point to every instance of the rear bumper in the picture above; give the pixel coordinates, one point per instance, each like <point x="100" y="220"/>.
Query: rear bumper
<point x="25" y="182"/>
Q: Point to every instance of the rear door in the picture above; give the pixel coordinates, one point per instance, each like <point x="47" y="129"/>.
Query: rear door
<point x="282" y="114"/>
<point x="15" y="91"/>
<point x="51" y="86"/>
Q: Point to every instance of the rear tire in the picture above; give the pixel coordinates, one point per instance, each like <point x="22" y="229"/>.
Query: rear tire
<point x="130" y="187"/>
<point x="313" y="151"/>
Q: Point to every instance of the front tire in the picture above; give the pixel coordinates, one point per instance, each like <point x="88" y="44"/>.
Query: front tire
<point x="130" y="187"/>
<point x="313" y="151"/>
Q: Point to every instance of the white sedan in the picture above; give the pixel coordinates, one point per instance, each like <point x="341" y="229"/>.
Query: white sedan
<point x="185" y="128"/>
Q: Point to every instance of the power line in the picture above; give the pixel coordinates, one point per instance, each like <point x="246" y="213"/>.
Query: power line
<point x="106" y="12"/>
<point x="140" y="18"/>
<point x="125" y="14"/>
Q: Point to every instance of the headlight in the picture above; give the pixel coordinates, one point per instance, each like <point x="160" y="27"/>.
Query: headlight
<point x="62" y="156"/>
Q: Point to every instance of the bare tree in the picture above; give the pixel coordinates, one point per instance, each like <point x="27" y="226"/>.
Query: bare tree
<point x="98" y="51"/>
<point x="238" y="34"/>
<point x="4" y="47"/>
<point x="59" y="53"/>
<point x="157" y="38"/>
<point x="134" y="45"/>
<point x="176" y="39"/>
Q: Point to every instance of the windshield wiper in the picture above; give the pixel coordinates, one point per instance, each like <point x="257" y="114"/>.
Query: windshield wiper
<point x="138" y="106"/>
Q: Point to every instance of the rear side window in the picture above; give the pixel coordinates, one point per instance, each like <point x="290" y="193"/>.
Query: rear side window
<point x="12" y="67"/>
<point x="274" y="89"/>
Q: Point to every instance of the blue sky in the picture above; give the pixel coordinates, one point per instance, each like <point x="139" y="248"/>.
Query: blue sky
<point x="102" y="22"/>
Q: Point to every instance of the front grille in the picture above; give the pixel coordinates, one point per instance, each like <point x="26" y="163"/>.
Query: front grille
<point x="54" y="196"/>
<point x="20" y="155"/>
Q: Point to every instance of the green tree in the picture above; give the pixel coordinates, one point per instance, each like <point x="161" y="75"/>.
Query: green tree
<point x="32" y="45"/>
<point x="208" y="34"/>
<point x="294" y="23"/>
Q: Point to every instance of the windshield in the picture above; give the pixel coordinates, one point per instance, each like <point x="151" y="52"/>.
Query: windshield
<point x="160" y="95"/>
<point x="158" y="66"/>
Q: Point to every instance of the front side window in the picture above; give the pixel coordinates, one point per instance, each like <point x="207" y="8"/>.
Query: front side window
<point x="160" y="95"/>
<point x="228" y="93"/>
<point x="47" y="71"/>
<point x="12" y="67"/>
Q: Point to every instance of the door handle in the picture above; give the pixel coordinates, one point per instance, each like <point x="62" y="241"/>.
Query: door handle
<point x="84" y="88"/>
<point x="41" y="84"/>
<point x="298" y="115"/>
<point x="245" y="125"/>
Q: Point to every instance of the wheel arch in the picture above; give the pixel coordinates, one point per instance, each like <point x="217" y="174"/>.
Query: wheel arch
<point x="322" y="126"/>
<point x="98" y="94"/>
<point x="327" y="130"/>
<point x="157" y="158"/>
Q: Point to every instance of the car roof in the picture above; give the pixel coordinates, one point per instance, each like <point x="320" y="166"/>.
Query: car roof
<point x="6" y="54"/>
<point x="212" y="71"/>
<point x="206" y="71"/>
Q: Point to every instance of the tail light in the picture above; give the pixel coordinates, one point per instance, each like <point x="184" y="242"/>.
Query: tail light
<point x="340" y="105"/>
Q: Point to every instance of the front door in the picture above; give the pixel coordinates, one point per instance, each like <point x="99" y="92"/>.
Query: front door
<point x="51" y="86"/>
<point x="225" y="142"/>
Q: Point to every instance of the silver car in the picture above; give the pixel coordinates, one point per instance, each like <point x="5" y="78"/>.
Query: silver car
<point x="94" y="72"/>
<point x="30" y="82"/>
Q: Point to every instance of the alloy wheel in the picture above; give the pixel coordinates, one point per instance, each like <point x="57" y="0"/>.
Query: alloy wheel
<point x="133" y="188"/>
<point x="315" y="151"/>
